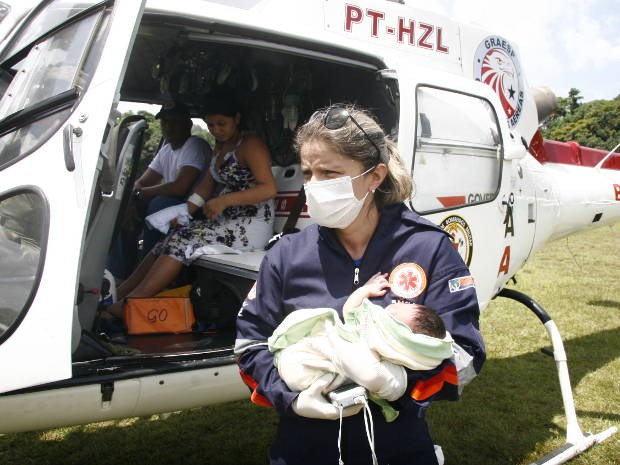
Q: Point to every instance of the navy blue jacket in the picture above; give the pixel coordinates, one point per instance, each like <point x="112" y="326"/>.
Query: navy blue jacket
<point x="311" y="269"/>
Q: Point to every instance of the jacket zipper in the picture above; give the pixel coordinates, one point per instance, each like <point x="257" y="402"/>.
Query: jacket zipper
<point x="356" y="278"/>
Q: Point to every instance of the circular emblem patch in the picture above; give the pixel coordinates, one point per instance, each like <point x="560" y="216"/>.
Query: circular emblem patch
<point x="460" y="235"/>
<point x="407" y="280"/>
<point x="496" y="64"/>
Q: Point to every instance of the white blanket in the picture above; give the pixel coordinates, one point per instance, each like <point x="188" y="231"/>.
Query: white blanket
<point x="161" y="219"/>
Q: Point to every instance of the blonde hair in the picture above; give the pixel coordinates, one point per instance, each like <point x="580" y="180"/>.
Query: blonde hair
<point x="351" y="142"/>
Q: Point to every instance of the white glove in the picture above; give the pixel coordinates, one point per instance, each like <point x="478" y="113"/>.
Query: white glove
<point x="362" y="365"/>
<point x="311" y="403"/>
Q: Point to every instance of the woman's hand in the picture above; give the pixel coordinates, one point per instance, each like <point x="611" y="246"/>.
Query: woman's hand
<point x="214" y="207"/>
<point x="311" y="403"/>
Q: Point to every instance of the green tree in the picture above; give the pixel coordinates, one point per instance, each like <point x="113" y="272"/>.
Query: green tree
<point x="152" y="137"/>
<point x="574" y="100"/>
<point x="592" y="124"/>
<point x="206" y="135"/>
<point x="567" y="105"/>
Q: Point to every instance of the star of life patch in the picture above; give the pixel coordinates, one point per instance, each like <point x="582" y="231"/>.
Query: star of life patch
<point x="407" y="280"/>
<point x="462" y="283"/>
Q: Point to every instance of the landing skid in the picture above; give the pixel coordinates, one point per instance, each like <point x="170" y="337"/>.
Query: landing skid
<point x="576" y="441"/>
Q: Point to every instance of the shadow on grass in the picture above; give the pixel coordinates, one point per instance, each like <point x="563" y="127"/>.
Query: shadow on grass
<point x="503" y="419"/>
<point x="614" y="417"/>
<point x="229" y="434"/>
<point x="504" y="416"/>
<point x="605" y="303"/>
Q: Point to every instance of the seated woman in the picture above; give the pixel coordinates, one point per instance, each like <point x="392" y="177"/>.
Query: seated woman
<point x="236" y="197"/>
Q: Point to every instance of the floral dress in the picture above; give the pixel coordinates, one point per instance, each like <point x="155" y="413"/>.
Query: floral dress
<point x="240" y="227"/>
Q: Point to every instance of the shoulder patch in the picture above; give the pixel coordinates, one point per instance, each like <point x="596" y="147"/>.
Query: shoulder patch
<point x="407" y="280"/>
<point x="460" y="284"/>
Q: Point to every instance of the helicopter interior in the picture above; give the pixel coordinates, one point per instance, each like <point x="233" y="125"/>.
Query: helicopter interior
<point x="189" y="62"/>
<point x="279" y="84"/>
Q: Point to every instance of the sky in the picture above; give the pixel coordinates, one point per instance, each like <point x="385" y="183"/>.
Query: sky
<point x="562" y="43"/>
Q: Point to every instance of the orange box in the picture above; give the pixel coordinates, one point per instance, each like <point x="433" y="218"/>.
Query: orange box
<point x="159" y="315"/>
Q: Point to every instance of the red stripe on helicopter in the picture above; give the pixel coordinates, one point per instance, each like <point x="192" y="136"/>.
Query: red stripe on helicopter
<point x="571" y="153"/>
<point x="285" y="201"/>
<point x="452" y="201"/>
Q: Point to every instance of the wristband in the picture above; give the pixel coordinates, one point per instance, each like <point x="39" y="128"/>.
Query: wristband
<point x="196" y="200"/>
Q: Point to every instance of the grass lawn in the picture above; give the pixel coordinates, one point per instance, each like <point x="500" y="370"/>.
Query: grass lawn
<point x="511" y="414"/>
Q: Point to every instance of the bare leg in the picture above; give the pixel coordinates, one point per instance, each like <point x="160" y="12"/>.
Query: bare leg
<point x="163" y="271"/>
<point x="158" y="276"/>
<point x="136" y="277"/>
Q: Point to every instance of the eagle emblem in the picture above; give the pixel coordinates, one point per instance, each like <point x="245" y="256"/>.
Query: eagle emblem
<point x="496" y="64"/>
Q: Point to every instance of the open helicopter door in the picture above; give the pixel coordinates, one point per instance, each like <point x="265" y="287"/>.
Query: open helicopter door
<point x="61" y="74"/>
<point x="463" y="171"/>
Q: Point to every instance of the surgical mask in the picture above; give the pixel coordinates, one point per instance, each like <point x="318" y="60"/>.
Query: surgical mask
<point x="332" y="203"/>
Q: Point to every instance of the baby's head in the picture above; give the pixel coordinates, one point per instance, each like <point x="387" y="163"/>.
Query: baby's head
<point x="419" y="318"/>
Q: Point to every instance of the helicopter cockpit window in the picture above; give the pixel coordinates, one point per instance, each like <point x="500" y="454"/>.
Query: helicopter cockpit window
<point x="56" y="13"/>
<point x="458" y="151"/>
<point x="44" y="82"/>
<point x="23" y="232"/>
<point x="4" y="10"/>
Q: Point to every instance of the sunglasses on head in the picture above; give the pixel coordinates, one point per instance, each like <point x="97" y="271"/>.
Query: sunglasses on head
<point x="336" y="117"/>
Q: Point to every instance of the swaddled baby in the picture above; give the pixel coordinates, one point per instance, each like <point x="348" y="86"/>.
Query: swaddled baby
<point x="404" y="334"/>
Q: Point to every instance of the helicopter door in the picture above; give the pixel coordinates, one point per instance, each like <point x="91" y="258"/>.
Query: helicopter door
<point x="462" y="170"/>
<point x="60" y="76"/>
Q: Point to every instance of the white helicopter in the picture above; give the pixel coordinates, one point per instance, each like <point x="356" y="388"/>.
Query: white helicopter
<point x="454" y="97"/>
